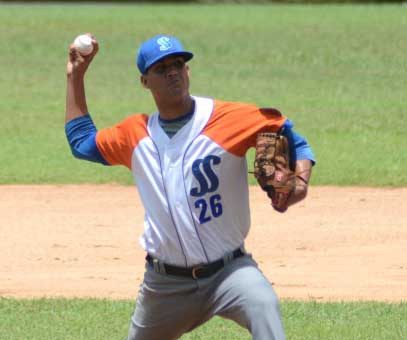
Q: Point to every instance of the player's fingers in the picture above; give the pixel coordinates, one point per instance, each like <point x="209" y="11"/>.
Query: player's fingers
<point x="95" y="49"/>
<point x="95" y="45"/>
<point x="75" y="57"/>
<point x="91" y="36"/>
<point x="94" y="42"/>
<point x="72" y="54"/>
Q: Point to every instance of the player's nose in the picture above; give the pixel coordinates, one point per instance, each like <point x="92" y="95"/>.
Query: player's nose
<point x="172" y="71"/>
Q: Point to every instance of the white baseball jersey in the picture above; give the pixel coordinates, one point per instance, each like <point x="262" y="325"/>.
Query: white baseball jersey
<point x="194" y="185"/>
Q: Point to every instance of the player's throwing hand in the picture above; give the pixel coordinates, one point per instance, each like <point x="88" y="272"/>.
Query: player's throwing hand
<point x="77" y="63"/>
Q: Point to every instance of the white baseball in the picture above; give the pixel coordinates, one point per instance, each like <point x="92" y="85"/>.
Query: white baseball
<point x="83" y="44"/>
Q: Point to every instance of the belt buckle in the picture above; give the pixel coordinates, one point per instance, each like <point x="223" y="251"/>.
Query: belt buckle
<point x="194" y="269"/>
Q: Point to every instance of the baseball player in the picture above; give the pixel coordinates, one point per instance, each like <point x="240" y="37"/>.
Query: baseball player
<point x="188" y="160"/>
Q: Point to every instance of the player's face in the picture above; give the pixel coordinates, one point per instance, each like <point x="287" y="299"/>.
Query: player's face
<point x="168" y="79"/>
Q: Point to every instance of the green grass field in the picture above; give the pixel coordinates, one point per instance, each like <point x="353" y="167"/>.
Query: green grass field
<point x="50" y="319"/>
<point x="339" y="72"/>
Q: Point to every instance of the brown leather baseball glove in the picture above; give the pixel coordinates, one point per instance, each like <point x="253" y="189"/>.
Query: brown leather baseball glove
<point x="272" y="168"/>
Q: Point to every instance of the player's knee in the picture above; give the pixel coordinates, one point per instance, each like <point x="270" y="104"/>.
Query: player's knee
<point x="264" y="301"/>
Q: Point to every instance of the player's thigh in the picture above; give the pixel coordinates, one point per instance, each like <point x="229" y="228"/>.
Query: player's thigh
<point x="244" y="293"/>
<point x="165" y="308"/>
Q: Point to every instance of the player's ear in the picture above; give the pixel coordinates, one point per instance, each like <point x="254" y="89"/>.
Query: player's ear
<point x="187" y="69"/>
<point x="143" y="81"/>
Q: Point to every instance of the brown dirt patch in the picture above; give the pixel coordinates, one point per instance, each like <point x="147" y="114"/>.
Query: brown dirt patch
<point x="82" y="241"/>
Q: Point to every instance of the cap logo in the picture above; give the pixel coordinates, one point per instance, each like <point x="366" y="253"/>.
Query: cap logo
<point x="165" y="43"/>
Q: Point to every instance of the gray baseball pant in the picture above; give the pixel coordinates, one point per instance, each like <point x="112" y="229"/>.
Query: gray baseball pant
<point x="169" y="306"/>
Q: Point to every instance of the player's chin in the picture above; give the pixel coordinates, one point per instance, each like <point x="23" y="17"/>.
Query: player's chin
<point x="177" y="92"/>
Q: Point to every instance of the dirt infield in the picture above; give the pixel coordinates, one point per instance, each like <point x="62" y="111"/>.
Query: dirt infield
<point x="82" y="241"/>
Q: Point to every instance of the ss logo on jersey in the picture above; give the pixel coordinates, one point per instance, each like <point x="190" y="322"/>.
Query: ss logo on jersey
<point x="204" y="173"/>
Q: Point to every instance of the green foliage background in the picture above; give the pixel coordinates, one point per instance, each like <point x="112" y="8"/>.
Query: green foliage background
<point x="338" y="72"/>
<point x="214" y="1"/>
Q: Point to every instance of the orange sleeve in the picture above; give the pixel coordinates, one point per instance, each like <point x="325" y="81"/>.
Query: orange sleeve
<point x="234" y="126"/>
<point x="116" y="144"/>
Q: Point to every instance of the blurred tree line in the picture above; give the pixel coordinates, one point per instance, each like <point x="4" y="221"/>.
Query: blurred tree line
<point x="213" y="1"/>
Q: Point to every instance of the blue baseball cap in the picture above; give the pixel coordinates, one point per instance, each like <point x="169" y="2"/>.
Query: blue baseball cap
<point x="157" y="48"/>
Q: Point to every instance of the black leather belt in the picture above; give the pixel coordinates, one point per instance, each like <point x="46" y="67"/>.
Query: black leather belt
<point x="196" y="272"/>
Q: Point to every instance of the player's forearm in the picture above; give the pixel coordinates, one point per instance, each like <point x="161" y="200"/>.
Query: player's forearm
<point x="303" y="174"/>
<point x="75" y="97"/>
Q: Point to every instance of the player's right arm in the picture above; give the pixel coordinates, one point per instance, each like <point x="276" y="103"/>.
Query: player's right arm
<point x="79" y="128"/>
<point x="75" y="91"/>
<point x="110" y="146"/>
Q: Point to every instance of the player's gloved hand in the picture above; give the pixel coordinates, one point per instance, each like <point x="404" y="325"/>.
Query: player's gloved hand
<point x="272" y="169"/>
<point x="77" y="63"/>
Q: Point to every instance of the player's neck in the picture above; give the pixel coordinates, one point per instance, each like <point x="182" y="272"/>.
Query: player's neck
<point x="169" y="111"/>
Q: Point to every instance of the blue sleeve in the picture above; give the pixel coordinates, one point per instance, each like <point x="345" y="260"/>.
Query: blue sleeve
<point x="299" y="148"/>
<point x="81" y="135"/>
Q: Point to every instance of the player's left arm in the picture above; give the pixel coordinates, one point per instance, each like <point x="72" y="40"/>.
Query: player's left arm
<point x="302" y="161"/>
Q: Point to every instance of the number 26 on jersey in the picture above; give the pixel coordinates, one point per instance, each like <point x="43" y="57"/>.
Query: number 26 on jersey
<point x="210" y="206"/>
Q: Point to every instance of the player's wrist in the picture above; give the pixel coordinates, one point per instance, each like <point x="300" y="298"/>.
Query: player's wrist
<point x="299" y="193"/>
<point x="75" y="78"/>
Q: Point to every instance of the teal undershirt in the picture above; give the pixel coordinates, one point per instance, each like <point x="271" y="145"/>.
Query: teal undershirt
<point x="172" y="126"/>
